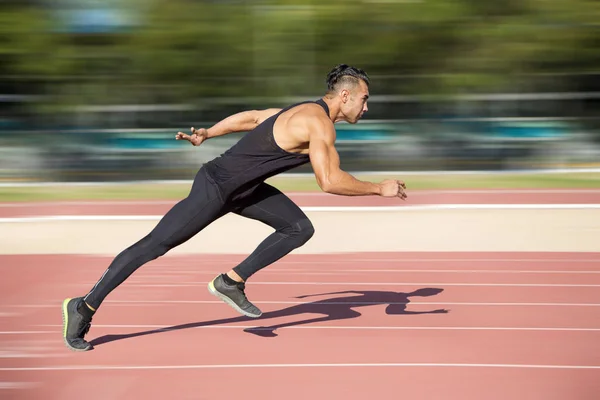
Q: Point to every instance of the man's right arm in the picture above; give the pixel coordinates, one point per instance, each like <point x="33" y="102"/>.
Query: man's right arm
<point x="332" y="179"/>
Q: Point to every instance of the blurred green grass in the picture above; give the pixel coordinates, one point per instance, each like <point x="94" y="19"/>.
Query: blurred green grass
<point x="170" y="191"/>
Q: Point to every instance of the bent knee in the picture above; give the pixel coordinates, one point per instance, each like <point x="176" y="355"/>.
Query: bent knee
<point x="303" y="230"/>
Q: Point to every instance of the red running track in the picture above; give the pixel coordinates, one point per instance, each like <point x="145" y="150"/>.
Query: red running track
<point x="525" y="196"/>
<point x="410" y="325"/>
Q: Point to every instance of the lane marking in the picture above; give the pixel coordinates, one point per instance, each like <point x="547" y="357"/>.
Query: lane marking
<point x="26" y="354"/>
<point x="595" y="259"/>
<point x="18" y="385"/>
<point x="383" y="284"/>
<point x="162" y="273"/>
<point x="165" y="328"/>
<point x="172" y="273"/>
<point x="347" y="258"/>
<point x="326" y="303"/>
<point x="590" y="206"/>
<point x="8" y="315"/>
<point x="323" y="365"/>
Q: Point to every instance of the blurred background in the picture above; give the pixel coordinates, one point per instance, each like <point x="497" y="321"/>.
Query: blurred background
<point x="95" y="90"/>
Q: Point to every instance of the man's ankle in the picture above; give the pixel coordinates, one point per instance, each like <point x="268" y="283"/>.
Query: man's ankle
<point x="85" y="310"/>
<point x="228" y="280"/>
<point x="234" y="277"/>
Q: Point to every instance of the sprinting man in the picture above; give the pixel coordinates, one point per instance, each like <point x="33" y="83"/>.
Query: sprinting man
<point x="277" y="141"/>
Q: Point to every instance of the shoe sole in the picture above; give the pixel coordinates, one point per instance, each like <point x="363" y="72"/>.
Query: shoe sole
<point x="215" y="292"/>
<point x="65" y="318"/>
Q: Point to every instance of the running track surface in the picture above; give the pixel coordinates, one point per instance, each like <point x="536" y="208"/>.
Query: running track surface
<point x="424" y="197"/>
<point x="406" y="325"/>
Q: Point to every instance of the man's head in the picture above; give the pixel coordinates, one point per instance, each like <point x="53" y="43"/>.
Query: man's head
<point x="348" y="87"/>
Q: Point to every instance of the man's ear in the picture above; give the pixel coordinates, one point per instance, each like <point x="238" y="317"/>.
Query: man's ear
<point x="345" y="95"/>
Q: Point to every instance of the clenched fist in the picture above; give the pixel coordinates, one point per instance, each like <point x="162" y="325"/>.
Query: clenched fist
<point x="393" y="188"/>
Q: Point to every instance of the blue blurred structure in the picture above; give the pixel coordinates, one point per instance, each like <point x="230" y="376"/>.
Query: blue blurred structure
<point x="91" y="17"/>
<point x="530" y="130"/>
<point x="444" y="142"/>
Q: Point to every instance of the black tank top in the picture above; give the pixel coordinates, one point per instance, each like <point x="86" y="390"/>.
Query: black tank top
<point x="254" y="158"/>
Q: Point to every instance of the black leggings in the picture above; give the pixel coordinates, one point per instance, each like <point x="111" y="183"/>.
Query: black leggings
<point x="203" y="206"/>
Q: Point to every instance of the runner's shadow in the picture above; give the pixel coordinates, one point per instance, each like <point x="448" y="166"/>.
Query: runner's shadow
<point x="331" y="309"/>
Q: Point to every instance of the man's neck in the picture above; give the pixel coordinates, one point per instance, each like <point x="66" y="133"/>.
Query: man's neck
<point x="334" y="109"/>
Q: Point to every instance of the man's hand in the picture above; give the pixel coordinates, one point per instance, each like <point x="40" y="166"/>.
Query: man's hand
<point x="196" y="138"/>
<point x="393" y="188"/>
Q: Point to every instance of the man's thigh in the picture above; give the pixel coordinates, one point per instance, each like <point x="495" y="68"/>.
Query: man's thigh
<point x="270" y="206"/>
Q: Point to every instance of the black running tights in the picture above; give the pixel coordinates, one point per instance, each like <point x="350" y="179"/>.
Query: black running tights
<point x="192" y="214"/>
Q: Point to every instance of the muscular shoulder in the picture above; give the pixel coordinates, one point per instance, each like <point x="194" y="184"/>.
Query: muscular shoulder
<point x="307" y="123"/>
<point x="319" y="125"/>
<point x="312" y="118"/>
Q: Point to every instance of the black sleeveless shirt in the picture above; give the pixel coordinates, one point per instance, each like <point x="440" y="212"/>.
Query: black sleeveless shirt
<point x="254" y="158"/>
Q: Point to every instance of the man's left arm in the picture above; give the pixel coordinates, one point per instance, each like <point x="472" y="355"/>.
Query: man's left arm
<point x="241" y="122"/>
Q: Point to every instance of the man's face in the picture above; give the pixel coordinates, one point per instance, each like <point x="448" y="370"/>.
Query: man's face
<point x="355" y="102"/>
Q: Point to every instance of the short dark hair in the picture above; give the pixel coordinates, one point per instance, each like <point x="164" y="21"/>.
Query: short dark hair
<point x="342" y="74"/>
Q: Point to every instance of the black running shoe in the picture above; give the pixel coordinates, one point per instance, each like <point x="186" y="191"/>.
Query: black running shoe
<point x="75" y="325"/>
<point x="234" y="296"/>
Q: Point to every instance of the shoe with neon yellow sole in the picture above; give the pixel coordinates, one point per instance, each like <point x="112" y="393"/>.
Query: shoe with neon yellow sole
<point x="75" y="325"/>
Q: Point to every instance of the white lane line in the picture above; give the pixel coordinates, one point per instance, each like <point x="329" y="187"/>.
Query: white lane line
<point x="590" y="206"/>
<point x="382" y="284"/>
<point x="17" y="385"/>
<point x="325" y="303"/>
<point x="345" y="258"/>
<point x="322" y="365"/>
<point x="167" y="328"/>
<point x="28" y="349"/>
<point x="351" y="303"/>
<point x="92" y="203"/>
<point x="435" y="271"/>
<point x="172" y="273"/>
<point x="594" y="258"/>
<point x="27" y="354"/>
